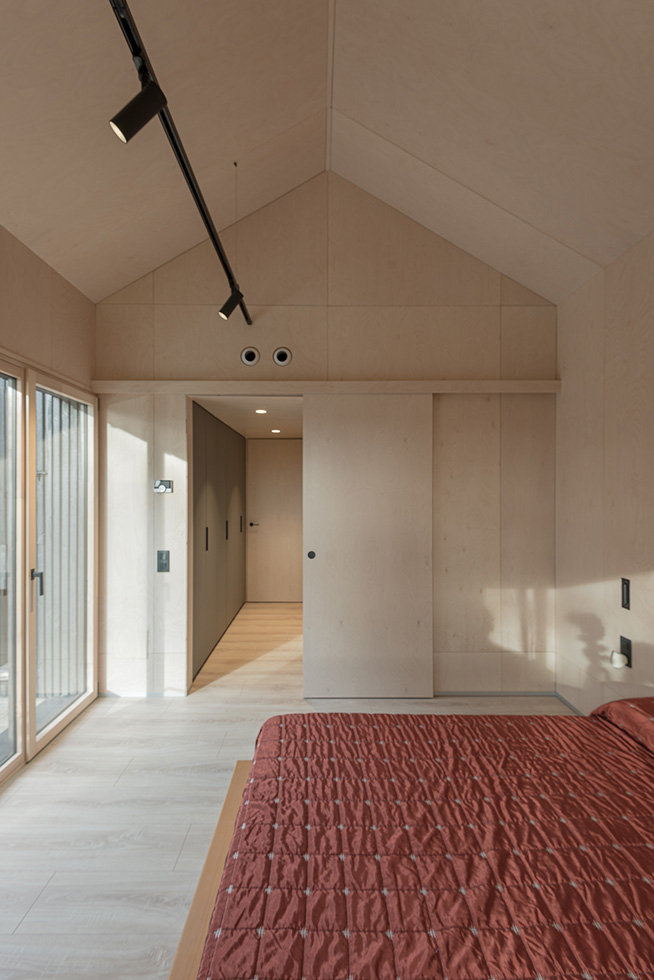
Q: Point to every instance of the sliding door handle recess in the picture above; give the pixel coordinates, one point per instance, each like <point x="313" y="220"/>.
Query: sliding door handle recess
<point x="38" y="575"/>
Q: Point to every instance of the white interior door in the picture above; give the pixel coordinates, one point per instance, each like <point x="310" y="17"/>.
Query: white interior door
<point x="368" y="523"/>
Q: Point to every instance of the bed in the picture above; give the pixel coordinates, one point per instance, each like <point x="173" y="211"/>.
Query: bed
<point x="421" y="847"/>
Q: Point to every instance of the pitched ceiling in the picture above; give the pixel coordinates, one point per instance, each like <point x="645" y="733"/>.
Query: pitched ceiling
<point x="520" y="130"/>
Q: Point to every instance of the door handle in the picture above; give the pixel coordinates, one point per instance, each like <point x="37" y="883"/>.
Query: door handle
<point x="253" y="525"/>
<point x="38" y="575"/>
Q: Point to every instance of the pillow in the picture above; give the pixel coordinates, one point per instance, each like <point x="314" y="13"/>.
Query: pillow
<point x="635" y="716"/>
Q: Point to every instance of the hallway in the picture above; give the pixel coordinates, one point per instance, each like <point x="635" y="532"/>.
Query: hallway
<point x="103" y="835"/>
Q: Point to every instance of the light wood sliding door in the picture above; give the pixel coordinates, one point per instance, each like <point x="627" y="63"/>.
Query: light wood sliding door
<point x="368" y="522"/>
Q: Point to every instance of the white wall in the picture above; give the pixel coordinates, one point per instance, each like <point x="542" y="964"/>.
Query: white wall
<point x="143" y="620"/>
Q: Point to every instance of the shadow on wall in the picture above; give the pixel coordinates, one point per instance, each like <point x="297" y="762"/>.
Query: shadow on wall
<point x="591" y="650"/>
<point x="496" y="640"/>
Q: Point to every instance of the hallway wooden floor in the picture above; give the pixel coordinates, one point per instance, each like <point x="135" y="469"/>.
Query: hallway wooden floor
<point x="103" y="835"/>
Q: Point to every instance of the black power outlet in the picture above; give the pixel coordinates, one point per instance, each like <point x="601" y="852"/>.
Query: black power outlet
<point x="625" y="648"/>
<point x="626" y="593"/>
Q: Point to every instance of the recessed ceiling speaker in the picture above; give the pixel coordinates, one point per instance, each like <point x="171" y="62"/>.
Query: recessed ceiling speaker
<point x="282" y="356"/>
<point x="250" y="355"/>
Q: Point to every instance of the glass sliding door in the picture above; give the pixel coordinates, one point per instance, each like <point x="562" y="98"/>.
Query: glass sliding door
<point x="9" y="694"/>
<point x="61" y="578"/>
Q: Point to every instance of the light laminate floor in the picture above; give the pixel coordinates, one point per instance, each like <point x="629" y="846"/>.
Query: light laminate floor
<point x="103" y="835"/>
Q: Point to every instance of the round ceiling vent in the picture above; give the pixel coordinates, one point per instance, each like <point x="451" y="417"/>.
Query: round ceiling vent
<point x="282" y="356"/>
<point x="250" y="355"/>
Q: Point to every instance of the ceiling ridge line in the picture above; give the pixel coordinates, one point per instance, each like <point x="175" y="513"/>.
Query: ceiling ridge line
<point x="331" y="56"/>
<point x="470" y="190"/>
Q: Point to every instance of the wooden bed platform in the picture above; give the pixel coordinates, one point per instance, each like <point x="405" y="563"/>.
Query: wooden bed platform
<point x="189" y="952"/>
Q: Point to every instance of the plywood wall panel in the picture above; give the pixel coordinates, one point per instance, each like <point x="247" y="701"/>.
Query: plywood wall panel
<point x="43" y="318"/>
<point x="629" y="459"/>
<point x="527" y="516"/>
<point x="466" y="672"/>
<point x="170" y="462"/>
<point x="139" y="292"/>
<point x="124" y="345"/>
<point x="513" y="294"/>
<point x="466" y="484"/>
<point x="528" y="342"/>
<point x="25" y="314"/>
<point x="194" y="278"/>
<point x="73" y="331"/>
<point x="414" y="342"/>
<point x="533" y="671"/>
<point x="408" y="266"/>
<point x="142" y="624"/>
<point x="451" y="209"/>
<point x="285" y="162"/>
<point x="194" y="342"/>
<point x="127" y="538"/>
<point x="280" y="252"/>
<point x="581" y="629"/>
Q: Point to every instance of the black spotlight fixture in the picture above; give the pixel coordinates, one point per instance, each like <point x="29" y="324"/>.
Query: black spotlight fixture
<point x="149" y="103"/>
<point x="143" y="107"/>
<point x="228" y="308"/>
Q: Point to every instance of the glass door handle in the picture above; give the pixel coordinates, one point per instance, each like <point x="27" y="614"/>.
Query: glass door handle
<point x="38" y="575"/>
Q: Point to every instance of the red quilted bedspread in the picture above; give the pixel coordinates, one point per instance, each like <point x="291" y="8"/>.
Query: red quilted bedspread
<point x="378" y="847"/>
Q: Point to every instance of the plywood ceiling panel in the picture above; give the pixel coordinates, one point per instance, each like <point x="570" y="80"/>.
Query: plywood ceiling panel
<point x="455" y="212"/>
<point x="519" y="130"/>
<point x="244" y="81"/>
<point x="540" y="107"/>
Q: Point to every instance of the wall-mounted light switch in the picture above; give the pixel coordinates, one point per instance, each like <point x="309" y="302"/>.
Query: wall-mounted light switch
<point x="626" y="593"/>
<point x="163" y="561"/>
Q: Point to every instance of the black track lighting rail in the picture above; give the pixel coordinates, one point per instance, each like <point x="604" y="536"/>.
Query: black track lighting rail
<point x="146" y="73"/>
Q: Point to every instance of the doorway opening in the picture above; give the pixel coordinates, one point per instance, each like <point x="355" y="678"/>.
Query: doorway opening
<point x="247" y="510"/>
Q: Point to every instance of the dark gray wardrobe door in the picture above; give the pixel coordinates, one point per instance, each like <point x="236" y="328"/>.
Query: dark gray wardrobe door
<point x="218" y="530"/>
<point x="236" y="512"/>
<point x="218" y="470"/>
<point x="201" y="631"/>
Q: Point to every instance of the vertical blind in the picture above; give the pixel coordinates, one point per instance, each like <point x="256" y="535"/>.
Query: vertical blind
<point x="62" y="464"/>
